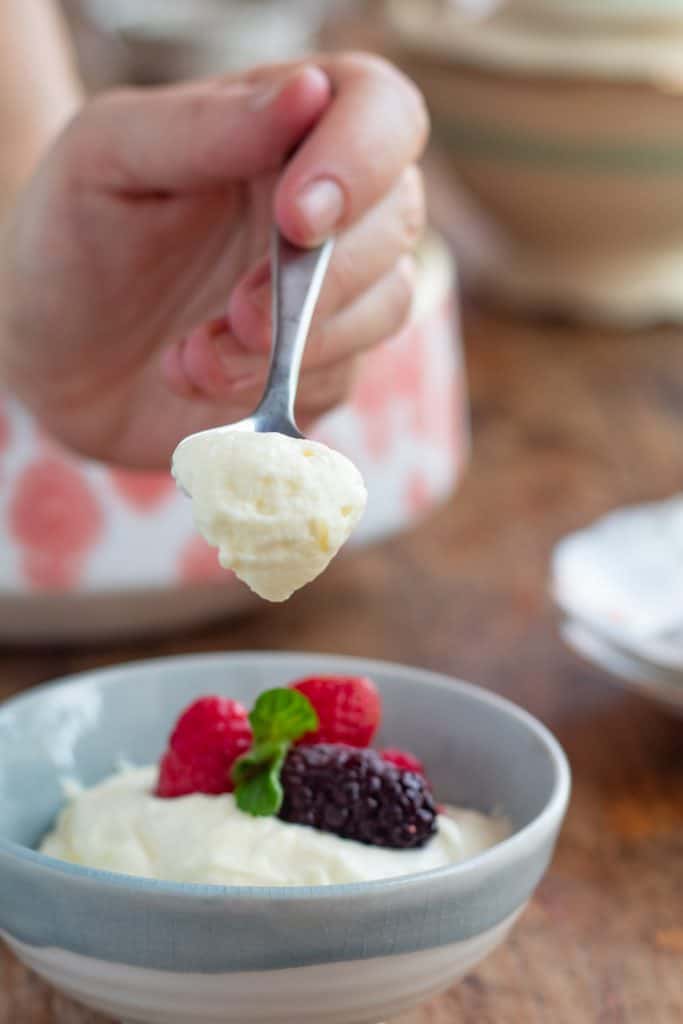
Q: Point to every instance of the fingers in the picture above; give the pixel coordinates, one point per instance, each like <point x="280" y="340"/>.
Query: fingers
<point x="162" y="422"/>
<point x="211" y="364"/>
<point x="204" y="135"/>
<point x="379" y="314"/>
<point x="197" y="136"/>
<point x="363" y="255"/>
<point x="373" y="246"/>
<point x="375" y="126"/>
<point x="325" y="388"/>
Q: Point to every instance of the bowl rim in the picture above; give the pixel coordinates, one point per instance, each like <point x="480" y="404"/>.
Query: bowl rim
<point x="495" y="858"/>
<point x="474" y="48"/>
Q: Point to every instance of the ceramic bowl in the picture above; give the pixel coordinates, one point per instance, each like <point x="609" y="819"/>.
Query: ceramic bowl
<point x="568" y="145"/>
<point x="90" y="552"/>
<point x="613" y="11"/>
<point x="162" y="953"/>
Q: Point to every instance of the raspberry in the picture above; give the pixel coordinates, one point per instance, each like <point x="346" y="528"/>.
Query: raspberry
<point x="357" y="795"/>
<point x="404" y="760"/>
<point x="208" y="737"/>
<point x="348" y="707"/>
<point x="180" y="778"/>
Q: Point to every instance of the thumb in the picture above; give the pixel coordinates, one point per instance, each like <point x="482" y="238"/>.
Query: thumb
<point x="196" y="136"/>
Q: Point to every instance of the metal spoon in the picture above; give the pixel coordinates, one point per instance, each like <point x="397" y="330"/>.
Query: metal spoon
<point x="297" y="277"/>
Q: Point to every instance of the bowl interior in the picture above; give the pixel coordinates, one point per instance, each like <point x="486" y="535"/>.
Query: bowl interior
<point x="480" y="751"/>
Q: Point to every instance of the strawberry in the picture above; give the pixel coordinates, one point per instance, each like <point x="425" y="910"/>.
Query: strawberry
<point x="348" y="708"/>
<point x="404" y="760"/>
<point x="207" y="739"/>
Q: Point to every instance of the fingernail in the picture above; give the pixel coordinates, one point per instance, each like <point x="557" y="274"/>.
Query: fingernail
<point x="321" y="204"/>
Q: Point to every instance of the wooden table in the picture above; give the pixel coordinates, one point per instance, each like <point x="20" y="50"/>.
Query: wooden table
<point x="567" y="424"/>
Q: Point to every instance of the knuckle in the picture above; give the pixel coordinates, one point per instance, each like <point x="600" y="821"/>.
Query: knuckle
<point x="413" y="105"/>
<point x="364" y="64"/>
<point x="343" y="277"/>
<point x="111" y="100"/>
<point x="403" y="298"/>
<point x="328" y="387"/>
<point x="316" y="349"/>
<point x="202" y="109"/>
<point x="98" y="110"/>
<point x="413" y="211"/>
<point x="404" y="284"/>
<point x="84" y="152"/>
<point x="420" y="113"/>
<point x="369" y="65"/>
<point x="410" y="99"/>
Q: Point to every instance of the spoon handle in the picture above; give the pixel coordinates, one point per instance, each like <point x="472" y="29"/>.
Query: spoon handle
<point x="297" y="277"/>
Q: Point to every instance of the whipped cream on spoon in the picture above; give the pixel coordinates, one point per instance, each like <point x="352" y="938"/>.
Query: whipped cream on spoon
<point x="277" y="506"/>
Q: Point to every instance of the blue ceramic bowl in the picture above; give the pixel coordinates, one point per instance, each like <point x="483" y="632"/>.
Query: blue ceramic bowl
<point x="158" y="952"/>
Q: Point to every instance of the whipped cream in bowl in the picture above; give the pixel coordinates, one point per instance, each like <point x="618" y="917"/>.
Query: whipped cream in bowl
<point x="278" y="508"/>
<point x="288" y="794"/>
<point x="120" y="825"/>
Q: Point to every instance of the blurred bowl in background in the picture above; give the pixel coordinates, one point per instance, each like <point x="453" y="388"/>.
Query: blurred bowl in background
<point x="90" y="552"/>
<point x="577" y="174"/>
<point x="637" y="12"/>
<point x="598" y="38"/>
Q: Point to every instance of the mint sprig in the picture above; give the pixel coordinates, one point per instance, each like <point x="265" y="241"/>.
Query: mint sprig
<point x="279" y="718"/>
<point x="282" y="715"/>
<point x="256" y="775"/>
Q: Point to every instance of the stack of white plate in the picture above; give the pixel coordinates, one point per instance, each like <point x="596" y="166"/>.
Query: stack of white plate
<point x="619" y="585"/>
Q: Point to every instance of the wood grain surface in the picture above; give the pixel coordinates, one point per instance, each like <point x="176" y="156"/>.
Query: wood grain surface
<point x="567" y="424"/>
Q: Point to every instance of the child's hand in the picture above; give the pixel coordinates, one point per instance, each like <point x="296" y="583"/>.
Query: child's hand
<point x="134" y="296"/>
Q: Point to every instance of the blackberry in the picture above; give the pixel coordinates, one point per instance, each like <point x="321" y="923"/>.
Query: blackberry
<point x="357" y="795"/>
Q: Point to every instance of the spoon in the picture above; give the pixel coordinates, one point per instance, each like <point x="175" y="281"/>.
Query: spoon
<point x="260" y="530"/>
<point x="297" y="276"/>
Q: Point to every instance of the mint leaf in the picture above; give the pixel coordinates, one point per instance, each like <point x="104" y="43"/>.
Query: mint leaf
<point x="278" y="718"/>
<point x="257" y="760"/>
<point x="262" y="794"/>
<point x="256" y="775"/>
<point x="282" y="715"/>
